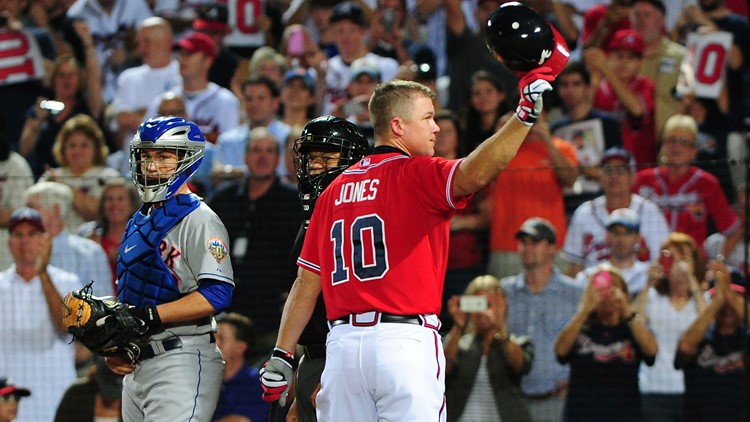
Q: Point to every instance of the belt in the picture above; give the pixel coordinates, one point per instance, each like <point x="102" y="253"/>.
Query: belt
<point x="373" y="320"/>
<point x="157" y="347"/>
<point x="315" y="351"/>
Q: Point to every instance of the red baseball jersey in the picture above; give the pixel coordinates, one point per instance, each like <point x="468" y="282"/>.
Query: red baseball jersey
<point x="379" y="235"/>
<point x="687" y="203"/>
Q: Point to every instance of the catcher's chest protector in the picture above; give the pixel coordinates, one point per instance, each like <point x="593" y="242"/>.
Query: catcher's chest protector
<point x="142" y="276"/>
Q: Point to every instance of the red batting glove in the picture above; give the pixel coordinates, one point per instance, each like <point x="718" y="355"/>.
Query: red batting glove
<point x="530" y="88"/>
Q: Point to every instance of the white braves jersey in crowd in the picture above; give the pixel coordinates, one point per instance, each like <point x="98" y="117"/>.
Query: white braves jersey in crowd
<point x="215" y="110"/>
<point x="32" y="352"/>
<point x="340" y="74"/>
<point x="586" y="240"/>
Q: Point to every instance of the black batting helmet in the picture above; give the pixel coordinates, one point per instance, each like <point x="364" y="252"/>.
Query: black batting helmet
<point x="523" y="40"/>
<point x="325" y="134"/>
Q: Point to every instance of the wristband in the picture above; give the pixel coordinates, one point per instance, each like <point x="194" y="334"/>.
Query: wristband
<point x="287" y="357"/>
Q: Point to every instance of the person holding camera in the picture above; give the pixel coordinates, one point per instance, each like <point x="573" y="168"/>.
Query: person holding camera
<point x="484" y="362"/>
<point x="605" y="343"/>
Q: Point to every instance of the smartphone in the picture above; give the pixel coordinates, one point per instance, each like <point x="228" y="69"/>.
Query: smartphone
<point x="602" y="280"/>
<point x="296" y="43"/>
<point x="352" y="108"/>
<point x="473" y="303"/>
<point x="666" y="259"/>
<point x="388" y="20"/>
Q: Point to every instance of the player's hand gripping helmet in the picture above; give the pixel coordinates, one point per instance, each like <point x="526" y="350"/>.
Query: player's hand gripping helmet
<point x="327" y="135"/>
<point x="172" y="134"/>
<point x="523" y="40"/>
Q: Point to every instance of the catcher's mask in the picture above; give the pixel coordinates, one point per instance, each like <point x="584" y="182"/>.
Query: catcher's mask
<point x="314" y="155"/>
<point x="523" y="40"/>
<point x="166" y="133"/>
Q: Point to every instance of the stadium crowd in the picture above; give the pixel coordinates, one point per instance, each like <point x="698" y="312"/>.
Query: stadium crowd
<point x="612" y="253"/>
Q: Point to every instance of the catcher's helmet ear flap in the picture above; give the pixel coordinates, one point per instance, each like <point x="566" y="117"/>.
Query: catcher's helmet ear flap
<point x="169" y="133"/>
<point x="523" y="40"/>
<point x="326" y="135"/>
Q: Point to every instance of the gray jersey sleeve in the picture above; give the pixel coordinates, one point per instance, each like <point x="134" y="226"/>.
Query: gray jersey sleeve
<point x="197" y="248"/>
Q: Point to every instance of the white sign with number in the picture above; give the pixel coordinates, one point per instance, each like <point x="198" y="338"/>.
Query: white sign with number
<point x="706" y="61"/>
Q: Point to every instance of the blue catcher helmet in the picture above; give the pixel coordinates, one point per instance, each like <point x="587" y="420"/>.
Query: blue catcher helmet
<point x="172" y="134"/>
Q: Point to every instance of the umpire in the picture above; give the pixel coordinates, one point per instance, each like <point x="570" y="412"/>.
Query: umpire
<point x="327" y="146"/>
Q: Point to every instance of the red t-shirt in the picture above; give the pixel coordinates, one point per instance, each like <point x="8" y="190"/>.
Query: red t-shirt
<point x="379" y="235"/>
<point x="687" y="203"/>
<point x="638" y="133"/>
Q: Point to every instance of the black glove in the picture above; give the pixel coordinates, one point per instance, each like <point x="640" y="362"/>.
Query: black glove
<point x="147" y="318"/>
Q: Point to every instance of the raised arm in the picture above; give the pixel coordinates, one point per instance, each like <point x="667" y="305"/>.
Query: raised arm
<point x="483" y="164"/>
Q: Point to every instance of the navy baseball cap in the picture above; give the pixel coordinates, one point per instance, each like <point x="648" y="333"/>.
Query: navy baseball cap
<point x="618" y="153"/>
<point x="25" y="215"/>
<point x="7" y="388"/>
<point x="624" y="217"/>
<point x="538" y="229"/>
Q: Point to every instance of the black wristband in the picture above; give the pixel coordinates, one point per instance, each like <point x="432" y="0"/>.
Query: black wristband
<point x="287" y="357"/>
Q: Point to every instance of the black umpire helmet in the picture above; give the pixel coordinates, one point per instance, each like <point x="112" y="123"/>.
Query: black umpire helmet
<point x="523" y="40"/>
<point x="325" y="134"/>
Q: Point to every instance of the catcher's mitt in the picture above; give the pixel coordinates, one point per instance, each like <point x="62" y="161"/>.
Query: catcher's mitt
<point x="104" y="325"/>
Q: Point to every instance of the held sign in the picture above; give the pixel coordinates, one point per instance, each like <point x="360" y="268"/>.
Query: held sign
<point x="705" y="63"/>
<point x="20" y="58"/>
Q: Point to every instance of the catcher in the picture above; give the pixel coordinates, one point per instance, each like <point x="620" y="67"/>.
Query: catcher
<point x="174" y="274"/>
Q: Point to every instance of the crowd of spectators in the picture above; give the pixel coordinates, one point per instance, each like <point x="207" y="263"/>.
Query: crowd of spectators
<point x="635" y="173"/>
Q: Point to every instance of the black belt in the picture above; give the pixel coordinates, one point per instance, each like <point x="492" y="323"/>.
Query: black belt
<point x="399" y="319"/>
<point x="315" y="351"/>
<point x="169" y="344"/>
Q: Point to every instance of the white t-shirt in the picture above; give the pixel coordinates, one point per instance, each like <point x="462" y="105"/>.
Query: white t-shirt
<point x="138" y="86"/>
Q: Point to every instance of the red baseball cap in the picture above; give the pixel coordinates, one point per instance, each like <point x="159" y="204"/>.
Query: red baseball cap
<point x="7" y="388"/>
<point x="627" y="39"/>
<point x="197" y="42"/>
<point x="25" y="215"/>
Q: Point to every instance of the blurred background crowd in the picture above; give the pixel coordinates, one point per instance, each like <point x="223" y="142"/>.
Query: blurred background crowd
<point x="611" y="254"/>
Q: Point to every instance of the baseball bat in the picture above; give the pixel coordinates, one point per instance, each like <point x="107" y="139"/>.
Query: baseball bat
<point x="274" y="411"/>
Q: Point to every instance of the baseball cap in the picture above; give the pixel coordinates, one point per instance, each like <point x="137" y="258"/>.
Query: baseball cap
<point x="212" y="17"/>
<point x="618" y="153"/>
<point x="25" y="215"/>
<point x="365" y="66"/>
<point x="627" y="39"/>
<point x="197" y="42"/>
<point x="538" y="229"/>
<point x="109" y="383"/>
<point x="348" y="11"/>
<point x="624" y="217"/>
<point x="301" y="74"/>
<point x="7" y="388"/>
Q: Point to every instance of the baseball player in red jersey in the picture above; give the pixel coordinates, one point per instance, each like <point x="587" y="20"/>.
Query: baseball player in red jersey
<point x="377" y="247"/>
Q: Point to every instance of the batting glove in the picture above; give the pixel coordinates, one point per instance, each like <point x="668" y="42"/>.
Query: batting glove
<point x="531" y="87"/>
<point x="276" y="375"/>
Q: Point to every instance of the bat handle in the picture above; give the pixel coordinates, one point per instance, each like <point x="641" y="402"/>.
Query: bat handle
<point x="274" y="411"/>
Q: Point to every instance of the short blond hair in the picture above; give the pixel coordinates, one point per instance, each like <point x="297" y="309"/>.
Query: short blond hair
<point x="395" y="99"/>
<point x="86" y="125"/>
<point x="680" y="121"/>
